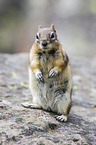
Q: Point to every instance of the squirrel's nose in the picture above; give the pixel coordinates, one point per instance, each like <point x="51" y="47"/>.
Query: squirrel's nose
<point x="44" y="43"/>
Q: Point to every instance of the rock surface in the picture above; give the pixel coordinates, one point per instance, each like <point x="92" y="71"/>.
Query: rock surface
<point x="25" y="126"/>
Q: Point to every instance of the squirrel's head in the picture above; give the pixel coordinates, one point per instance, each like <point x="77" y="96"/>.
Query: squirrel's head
<point x="46" y="38"/>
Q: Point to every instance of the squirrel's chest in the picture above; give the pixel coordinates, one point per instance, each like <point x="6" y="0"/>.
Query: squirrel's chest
<point x="46" y="60"/>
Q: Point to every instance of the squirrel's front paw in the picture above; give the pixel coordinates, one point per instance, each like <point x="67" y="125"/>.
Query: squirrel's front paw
<point x="39" y="76"/>
<point x="52" y="73"/>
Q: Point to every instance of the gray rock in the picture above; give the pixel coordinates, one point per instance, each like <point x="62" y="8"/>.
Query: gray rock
<point x="19" y="125"/>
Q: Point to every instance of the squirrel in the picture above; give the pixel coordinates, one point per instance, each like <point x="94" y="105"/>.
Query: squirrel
<point x="49" y="74"/>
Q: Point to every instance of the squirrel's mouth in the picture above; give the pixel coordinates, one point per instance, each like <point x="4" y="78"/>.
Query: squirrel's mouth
<point x="48" y="46"/>
<point x="44" y="43"/>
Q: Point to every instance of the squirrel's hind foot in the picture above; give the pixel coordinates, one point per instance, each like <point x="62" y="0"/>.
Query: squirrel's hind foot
<point x="61" y="118"/>
<point x="30" y="105"/>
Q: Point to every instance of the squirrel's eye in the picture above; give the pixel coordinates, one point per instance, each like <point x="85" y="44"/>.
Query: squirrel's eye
<point x="52" y="35"/>
<point x="37" y="36"/>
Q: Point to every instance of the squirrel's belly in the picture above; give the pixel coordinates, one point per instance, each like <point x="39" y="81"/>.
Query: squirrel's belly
<point x="44" y="93"/>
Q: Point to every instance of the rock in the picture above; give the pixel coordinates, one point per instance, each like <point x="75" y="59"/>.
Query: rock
<point x="19" y="125"/>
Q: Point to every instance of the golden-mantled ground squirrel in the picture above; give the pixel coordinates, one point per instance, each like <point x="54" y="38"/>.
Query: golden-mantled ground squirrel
<point x="49" y="74"/>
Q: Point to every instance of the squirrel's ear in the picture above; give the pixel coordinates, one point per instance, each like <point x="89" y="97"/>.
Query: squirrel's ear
<point x="39" y="27"/>
<point x="52" y="27"/>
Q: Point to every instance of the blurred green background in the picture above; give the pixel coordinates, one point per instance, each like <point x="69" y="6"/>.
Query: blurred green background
<point x="74" y="20"/>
